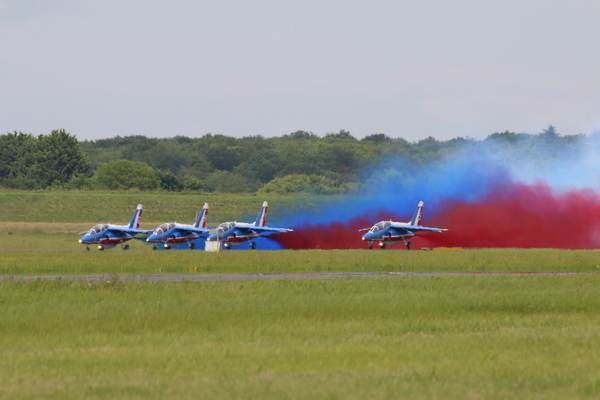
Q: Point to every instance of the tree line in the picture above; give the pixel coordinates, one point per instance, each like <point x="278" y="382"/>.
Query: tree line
<point x="298" y="162"/>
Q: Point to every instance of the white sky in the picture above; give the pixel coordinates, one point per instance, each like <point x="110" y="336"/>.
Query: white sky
<point x="408" y="69"/>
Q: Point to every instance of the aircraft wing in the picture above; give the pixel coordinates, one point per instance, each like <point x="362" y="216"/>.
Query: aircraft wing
<point x="260" y="229"/>
<point x="415" y="228"/>
<point x="189" y="231"/>
<point x="129" y="231"/>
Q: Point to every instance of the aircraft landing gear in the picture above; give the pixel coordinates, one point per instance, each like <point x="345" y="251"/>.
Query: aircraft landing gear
<point x="154" y="247"/>
<point x="407" y="244"/>
<point x="382" y="245"/>
<point x="87" y="248"/>
<point x="192" y="246"/>
<point x="370" y="245"/>
<point x="253" y="245"/>
<point x="125" y="246"/>
<point x="226" y="245"/>
<point x="167" y="247"/>
<point x="100" y="247"/>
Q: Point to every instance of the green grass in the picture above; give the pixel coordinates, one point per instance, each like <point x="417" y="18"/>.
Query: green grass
<point x="117" y="207"/>
<point x="451" y="337"/>
<point x="411" y="337"/>
<point x="141" y="259"/>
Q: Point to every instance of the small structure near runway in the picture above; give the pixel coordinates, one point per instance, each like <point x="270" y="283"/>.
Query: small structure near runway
<point x="212" y="246"/>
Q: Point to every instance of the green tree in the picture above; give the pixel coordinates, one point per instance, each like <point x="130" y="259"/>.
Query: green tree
<point x="17" y="156"/>
<point x="228" y="182"/>
<point x="169" y="181"/>
<point x="124" y="174"/>
<point x="58" y="158"/>
<point x="298" y="183"/>
<point x="377" y="138"/>
<point x="190" y="182"/>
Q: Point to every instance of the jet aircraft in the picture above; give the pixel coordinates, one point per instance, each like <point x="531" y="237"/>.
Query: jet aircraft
<point x="107" y="236"/>
<point x="174" y="234"/>
<point x="390" y="232"/>
<point x="236" y="233"/>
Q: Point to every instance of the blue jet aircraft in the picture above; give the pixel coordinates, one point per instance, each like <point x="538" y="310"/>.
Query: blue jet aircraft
<point x="107" y="236"/>
<point x="236" y="233"/>
<point x="390" y="232"/>
<point x="174" y="234"/>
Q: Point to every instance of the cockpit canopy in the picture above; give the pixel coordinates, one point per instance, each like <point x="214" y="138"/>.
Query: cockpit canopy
<point x="164" y="227"/>
<point x="97" y="229"/>
<point x="379" y="226"/>
<point x="225" y="226"/>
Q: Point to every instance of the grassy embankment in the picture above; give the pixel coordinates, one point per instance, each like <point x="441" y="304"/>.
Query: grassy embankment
<point x="68" y="211"/>
<point x="411" y="337"/>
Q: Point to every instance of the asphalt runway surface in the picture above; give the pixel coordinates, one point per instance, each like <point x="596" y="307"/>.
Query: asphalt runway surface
<point x="196" y="277"/>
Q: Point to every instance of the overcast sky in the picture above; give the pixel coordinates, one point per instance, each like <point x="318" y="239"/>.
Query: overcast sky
<point x="408" y="69"/>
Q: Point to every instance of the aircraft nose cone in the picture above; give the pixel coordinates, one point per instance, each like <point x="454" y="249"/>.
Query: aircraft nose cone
<point x="86" y="239"/>
<point x="370" y="236"/>
<point x="151" y="238"/>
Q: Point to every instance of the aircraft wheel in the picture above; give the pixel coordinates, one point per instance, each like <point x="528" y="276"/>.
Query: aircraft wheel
<point x="100" y="248"/>
<point x="167" y="247"/>
<point x="226" y="245"/>
<point x="125" y="246"/>
<point x="382" y="245"/>
<point x="253" y="245"/>
<point x="154" y="247"/>
<point x="408" y="245"/>
<point x="192" y="246"/>
<point x="370" y="246"/>
<point x="87" y="248"/>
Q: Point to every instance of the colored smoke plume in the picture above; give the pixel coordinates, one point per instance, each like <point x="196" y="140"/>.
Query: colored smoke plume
<point x="522" y="216"/>
<point x="522" y="193"/>
<point x="492" y="195"/>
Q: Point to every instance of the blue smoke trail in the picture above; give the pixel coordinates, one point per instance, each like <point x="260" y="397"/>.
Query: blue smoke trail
<point x="397" y="183"/>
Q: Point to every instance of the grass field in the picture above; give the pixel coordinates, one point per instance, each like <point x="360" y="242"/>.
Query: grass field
<point x="410" y="337"/>
<point x="92" y="207"/>
<point x="147" y="261"/>
<point x="392" y="337"/>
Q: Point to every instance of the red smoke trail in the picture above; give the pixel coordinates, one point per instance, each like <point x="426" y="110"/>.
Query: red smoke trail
<point x="521" y="216"/>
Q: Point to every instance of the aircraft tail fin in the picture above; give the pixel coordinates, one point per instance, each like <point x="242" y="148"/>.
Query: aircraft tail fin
<point x="261" y="219"/>
<point x="416" y="218"/>
<point x="201" y="220"/>
<point x="137" y="216"/>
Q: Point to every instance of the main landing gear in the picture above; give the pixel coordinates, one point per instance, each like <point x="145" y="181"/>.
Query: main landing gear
<point x="382" y="245"/>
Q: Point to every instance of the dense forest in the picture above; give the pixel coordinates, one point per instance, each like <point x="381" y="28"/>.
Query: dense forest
<point x="299" y="162"/>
